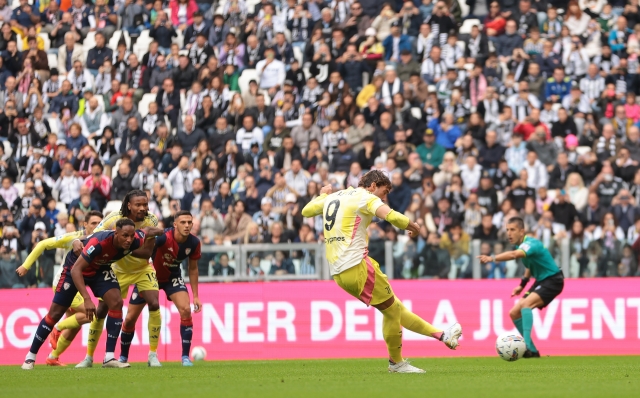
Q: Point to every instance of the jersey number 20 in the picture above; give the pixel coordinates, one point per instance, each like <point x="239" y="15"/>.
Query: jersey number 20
<point x="330" y="215"/>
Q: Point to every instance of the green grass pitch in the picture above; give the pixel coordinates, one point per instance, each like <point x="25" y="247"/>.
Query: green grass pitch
<point x="446" y="377"/>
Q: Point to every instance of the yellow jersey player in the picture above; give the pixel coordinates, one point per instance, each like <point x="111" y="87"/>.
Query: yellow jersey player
<point x="346" y="216"/>
<point x="129" y="271"/>
<point x="69" y="241"/>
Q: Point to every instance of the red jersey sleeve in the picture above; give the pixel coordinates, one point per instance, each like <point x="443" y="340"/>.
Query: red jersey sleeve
<point x="197" y="251"/>
<point x="92" y="249"/>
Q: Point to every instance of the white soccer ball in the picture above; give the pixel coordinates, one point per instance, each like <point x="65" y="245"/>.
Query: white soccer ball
<point x="198" y="353"/>
<point x="510" y="346"/>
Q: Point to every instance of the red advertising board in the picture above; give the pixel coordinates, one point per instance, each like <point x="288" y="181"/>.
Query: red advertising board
<point x="286" y="320"/>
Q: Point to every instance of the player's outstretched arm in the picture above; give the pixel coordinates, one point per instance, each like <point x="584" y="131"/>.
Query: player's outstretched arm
<point x="314" y="208"/>
<point x="78" y="280"/>
<point x="193" y="281"/>
<point x="152" y="232"/>
<point x="506" y="256"/>
<point x="396" y="219"/>
<point x="57" y="242"/>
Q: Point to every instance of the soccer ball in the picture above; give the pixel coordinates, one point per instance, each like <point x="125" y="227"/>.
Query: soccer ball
<point x="198" y="353"/>
<point x="510" y="346"/>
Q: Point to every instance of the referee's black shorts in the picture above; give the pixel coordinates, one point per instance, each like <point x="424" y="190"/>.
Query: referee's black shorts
<point x="548" y="288"/>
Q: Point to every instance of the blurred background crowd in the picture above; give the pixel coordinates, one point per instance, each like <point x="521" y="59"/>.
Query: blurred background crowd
<point x="240" y="110"/>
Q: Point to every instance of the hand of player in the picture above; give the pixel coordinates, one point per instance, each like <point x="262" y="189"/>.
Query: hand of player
<point x="21" y="271"/>
<point x="484" y="259"/>
<point x="516" y="291"/>
<point x="90" y="309"/>
<point x="197" y="305"/>
<point x="328" y="189"/>
<point x="77" y="247"/>
<point x="413" y="229"/>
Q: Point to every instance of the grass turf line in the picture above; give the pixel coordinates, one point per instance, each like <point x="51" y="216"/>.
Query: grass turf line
<point x="466" y="377"/>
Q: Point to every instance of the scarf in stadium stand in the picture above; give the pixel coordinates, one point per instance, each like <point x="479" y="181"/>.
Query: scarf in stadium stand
<point x="474" y="46"/>
<point x="387" y="94"/>
<point x="253" y="54"/>
<point x="151" y="62"/>
<point x="341" y="12"/>
<point x="135" y="76"/>
<point x="149" y="123"/>
<point x="424" y="45"/>
<point x="603" y="146"/>
<point x="310" y="96"/>
<point x="300" y="30"/>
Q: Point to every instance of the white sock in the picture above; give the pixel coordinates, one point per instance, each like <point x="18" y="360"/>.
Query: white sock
<point x="30" y="355"/>
<point x="51" y="356"/>
<point x="151" y="353"/>
<point x="108" y="356"/>
<point x="89" y="357"/>
<point x="58" y="328"/>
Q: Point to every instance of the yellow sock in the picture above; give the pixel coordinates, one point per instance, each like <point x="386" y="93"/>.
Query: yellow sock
<point x="413" y="322"/>
<point x="95" y="331"/>
<point x="392" y="331"/>
<point x="155" y="322"/>
<point x="63" y="344"/>
<point x="69" y="323"/>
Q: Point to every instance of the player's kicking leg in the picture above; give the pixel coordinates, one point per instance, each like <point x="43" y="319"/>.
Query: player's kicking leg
<point x="183" y="304"/>
<point x="522" y="316"/>
<point x="367" y="283"/>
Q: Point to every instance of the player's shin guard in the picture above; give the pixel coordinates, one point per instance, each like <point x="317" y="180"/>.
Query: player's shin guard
<point x="392" y="331"/>
<point x="155" y="322"/>
<point x="95" y="331"/>
<point x="518" y="323"/>
<point x="70" y="322"/>
<point x="42" y="333"/>
<point x="413" y="322"/>
<point x="527" y="327"/>
<point x="126" y="337"/>
<point x="63" y="344"/>
<point x="114" y="324"/>
<point x="186" y="334"/>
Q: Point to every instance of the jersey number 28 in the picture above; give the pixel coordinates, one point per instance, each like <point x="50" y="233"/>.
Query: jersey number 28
<point x="330" y="215"/>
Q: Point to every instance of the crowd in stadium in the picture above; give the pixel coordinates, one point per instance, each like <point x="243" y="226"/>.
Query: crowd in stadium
<point x="240" y="110"/>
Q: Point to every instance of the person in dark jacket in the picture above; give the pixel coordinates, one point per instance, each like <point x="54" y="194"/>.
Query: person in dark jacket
<point x="486" y="231"/>
<point x="97" y="55"/>
<point x="184" y="74"/>
<point x="222" y="268"/>
<point x="400" y="196"/>
<point x="564" y="212"/>
<point x="351" y="66"/>
<point x="560" y="172"/>
<point x="192" y="201"/>
<point x="341" y="161"/>
<point x="282" y="265"/>
<point x="224" y="200"/>
<point x="436" y="261"/>
<point x="491" y="153"/>
<point x="66" y="99"/>
<point x="122" y="183"/>
<point x="162" y="32"/>
<point x="168" y="100"/>
<point x="288" y="148"/>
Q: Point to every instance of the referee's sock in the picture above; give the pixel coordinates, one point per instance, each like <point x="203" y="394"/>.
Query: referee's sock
<point x="518" y="323"/>
<point x="527" y="327"/>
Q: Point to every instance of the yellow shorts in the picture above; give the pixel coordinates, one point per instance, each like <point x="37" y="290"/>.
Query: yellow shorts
<point x="365" y="282"/>
<point x="77" y="300"/>
<point x="144" y="280"/>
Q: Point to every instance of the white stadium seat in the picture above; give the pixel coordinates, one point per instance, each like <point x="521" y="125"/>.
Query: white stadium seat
<point x="246" y="76"/>
<point x="113" y="205"/>
<point x="468" y="24"/>
<point x="143" y="105"/>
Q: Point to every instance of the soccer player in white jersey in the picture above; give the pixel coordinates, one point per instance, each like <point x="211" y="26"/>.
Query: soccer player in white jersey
<point x="346" y="215"/>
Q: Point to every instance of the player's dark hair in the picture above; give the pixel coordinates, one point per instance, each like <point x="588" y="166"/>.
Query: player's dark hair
<point x="124" y="209"/>
<point x="374" y="177"/>
<point x="518" y="221"/>
<point x="182" y="213"/>
<point x="94" y="213"/>
<point x="123" y="222"/>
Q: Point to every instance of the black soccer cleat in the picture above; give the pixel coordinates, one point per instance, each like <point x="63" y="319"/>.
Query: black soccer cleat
<point x="530" y="354"/>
